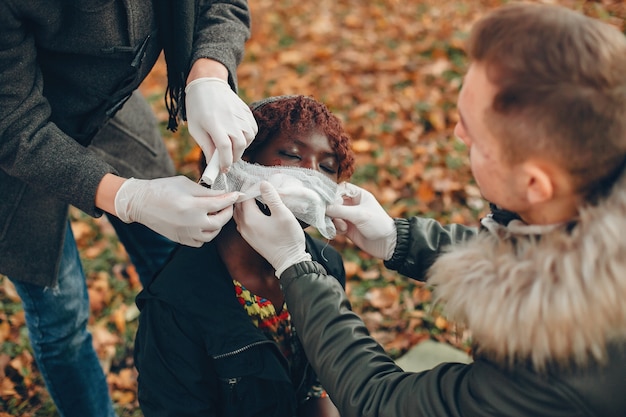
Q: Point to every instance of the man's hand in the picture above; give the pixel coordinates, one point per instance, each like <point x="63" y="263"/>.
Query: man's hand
<point x="364" y="221"/>
<point x="175" y="207"/>
<point x="279" y="238"/>
<point x="218" y="120"/>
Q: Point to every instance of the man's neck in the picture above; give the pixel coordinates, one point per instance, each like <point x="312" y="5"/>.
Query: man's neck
<point x="554" y="211"/>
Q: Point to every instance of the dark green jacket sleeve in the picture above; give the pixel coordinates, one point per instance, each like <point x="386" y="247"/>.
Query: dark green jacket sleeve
<point x="360" y="378"/>
<point x="363" y="381"/>
<point x="420" y="240"/>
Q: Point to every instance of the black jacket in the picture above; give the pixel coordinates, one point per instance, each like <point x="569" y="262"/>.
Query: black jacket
<point x="198" y="352"/>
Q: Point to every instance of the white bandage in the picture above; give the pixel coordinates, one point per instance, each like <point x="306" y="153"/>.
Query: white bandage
<point x="304" y="191"/>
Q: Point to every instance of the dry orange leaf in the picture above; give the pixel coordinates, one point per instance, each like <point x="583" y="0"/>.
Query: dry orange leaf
<point x="383" y="297"/>
<point x="7" y="389"/>
<point x="437" y="119"/>
<point x="370" y="274"/>
<point x="9" y="290"/>
<point x="133" y="277"/>
<point x="95" y="250"/>
<point x="441" y="323"/>
<point x="81" y="230"/>
<point x="425" y="192"/>
<point x="421" y="294"/>
<point x="194" y="155"/>
<point x="124" y="380"/>
<point x="100" y="293"/>
<point x="5" y="331"/>
<point x="123" y="397"/>
<point x="119" y="318"/>
<point x="352" y="268"/>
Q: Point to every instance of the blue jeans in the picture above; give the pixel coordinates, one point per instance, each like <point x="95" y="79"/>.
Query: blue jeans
<point x="57" y="317"/>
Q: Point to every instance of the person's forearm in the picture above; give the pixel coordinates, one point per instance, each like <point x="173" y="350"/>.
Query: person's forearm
<point x="420" y="241"/>
<point x="352" y="367"/>
<point x="106" y="192"/>
<point x="205" y="67"/>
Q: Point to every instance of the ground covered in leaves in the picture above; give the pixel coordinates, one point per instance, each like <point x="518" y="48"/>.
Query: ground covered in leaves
<point x="391" y="69"/>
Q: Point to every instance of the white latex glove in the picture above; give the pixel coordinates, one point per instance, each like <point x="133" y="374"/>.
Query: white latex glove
<point x="218" y="120"/>
<point x="296" y="196"/>
<point x="175" y="207"/>
<point x="278" y="238"/>
<point x="364" y="221"/>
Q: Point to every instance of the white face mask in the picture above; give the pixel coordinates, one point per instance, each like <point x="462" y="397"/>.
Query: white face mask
<point x="304" y="191"/>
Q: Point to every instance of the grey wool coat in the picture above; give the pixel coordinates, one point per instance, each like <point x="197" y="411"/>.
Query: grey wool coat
<point x="67" y="67"/>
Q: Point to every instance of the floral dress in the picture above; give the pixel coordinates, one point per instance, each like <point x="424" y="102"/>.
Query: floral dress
<point x="277" y="326"/>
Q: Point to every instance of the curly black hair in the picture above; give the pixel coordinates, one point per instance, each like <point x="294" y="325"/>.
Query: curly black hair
<point x="299" y="115"/>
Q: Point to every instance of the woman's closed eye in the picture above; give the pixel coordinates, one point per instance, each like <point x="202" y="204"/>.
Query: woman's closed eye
<point x="290" y="155"/>
<point x="329" y="168"/>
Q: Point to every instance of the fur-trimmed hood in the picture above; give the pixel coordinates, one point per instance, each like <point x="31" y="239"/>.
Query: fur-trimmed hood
<point x="542" y="295"/>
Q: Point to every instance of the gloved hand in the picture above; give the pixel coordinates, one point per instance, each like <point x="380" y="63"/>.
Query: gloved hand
<point x="278" y="238"/>
<point x="364" y="221"/>
<point x="175" y="207"/>
<point x="219" y="120"/>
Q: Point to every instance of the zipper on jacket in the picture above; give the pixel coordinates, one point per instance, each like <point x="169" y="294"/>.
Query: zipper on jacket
<point x="241" y="349"/>
<point x="232" y="394"/>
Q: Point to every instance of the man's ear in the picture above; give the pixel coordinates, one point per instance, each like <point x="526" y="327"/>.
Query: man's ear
<point x="539" y="182"/>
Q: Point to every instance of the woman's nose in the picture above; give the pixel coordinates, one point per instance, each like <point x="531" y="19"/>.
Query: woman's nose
<point x="310" y="163"/>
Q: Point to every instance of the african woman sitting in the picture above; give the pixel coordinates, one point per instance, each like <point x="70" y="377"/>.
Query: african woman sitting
<point x="215" y="336"/>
